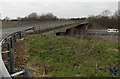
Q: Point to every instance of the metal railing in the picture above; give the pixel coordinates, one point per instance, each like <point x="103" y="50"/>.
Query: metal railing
<point x="9" y="43"/>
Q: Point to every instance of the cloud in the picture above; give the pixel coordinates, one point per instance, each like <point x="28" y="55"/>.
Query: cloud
<point x="61" y="9"/>
<point x="59" y="0"/>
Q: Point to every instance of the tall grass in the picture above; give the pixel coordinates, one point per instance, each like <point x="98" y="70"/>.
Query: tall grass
<point x="69" y="57"/>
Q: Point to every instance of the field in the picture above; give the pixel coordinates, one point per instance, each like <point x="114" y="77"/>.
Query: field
<point x="56" y="56"/>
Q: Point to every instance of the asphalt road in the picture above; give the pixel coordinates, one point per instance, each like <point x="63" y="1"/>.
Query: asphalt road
<point x="102" y="35"/>
<point x="6" y="32"/>
<point x="50" y="24"/>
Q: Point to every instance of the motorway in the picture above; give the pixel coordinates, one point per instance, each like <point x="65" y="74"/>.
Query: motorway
<point x="102" y="35"/>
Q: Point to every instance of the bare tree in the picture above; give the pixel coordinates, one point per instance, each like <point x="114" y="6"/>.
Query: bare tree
<point x="7" y="18"/>
<point x="48" y="16"/>
<point x="19" y="18"/>
<point x="116" y="15"/>
<point x="106" y="13"/>
<point x="106" y="20"/>
<point x="33" y="16"/>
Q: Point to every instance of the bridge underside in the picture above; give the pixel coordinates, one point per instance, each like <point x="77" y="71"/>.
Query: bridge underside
<point x="82" y="31"/>
<point x="74" y="30"/>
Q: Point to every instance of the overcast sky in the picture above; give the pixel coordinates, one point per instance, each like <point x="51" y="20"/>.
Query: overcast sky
<point x="60" y="8"/>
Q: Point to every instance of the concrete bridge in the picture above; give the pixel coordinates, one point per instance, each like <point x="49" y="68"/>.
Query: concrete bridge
<point x="68" y="29"/>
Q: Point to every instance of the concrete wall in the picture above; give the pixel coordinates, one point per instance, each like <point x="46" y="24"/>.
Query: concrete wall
<point x="74" y="30"/>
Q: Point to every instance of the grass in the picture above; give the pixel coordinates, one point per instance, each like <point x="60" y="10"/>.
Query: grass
<point x="69" y="57"/>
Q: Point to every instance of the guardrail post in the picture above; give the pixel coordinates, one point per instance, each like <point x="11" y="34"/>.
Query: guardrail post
<point x="20" y="34"/>
<point x="26" y="74"/>
<point x="24" y="33"/>
<point x="34" y="29"/>
<point x="11" y="61"/>
<point x="11" y="41"/>
<point x="11" y="57"/>
<point x="14" y="37"/>
<point x="9" y="46"/>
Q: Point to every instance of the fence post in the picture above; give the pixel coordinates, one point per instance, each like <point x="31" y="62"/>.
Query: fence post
<point x="20" y="34"/>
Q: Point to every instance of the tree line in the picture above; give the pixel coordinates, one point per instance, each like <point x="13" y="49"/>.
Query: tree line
<point x="43" y="17"/>
<point x="106" y="19"/>
<point x="33" y="17"/>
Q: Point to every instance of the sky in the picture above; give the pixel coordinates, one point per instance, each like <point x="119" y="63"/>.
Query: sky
<point x="60" y="8"/>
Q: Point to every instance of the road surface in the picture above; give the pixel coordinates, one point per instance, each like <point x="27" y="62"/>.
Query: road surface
<point x="44" y="25"/>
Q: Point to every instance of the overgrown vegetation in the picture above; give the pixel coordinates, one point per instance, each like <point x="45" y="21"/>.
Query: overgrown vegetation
<point x="70" y="57"/>
<point x="105" y="20"/>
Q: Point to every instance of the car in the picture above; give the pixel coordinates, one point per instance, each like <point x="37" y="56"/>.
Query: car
<point x="112" y="30"/>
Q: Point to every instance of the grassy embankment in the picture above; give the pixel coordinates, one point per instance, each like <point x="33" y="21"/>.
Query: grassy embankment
<point x="96" y="26"/>
<point x="69" y="57"/>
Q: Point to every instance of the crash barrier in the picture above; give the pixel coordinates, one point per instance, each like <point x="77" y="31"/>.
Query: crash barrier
<point x="9" y="52"/>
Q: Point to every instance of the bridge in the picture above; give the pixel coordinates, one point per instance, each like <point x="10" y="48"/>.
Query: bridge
<point x="8" y="43"/>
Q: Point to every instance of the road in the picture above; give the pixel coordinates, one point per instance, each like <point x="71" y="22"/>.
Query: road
<point x="102" y="35"/>
<point x="5" y="32"/>
<point x="44" y="25"/>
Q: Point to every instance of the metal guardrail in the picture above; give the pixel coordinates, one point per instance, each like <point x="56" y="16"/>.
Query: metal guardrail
<point x="9" y="42"/>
